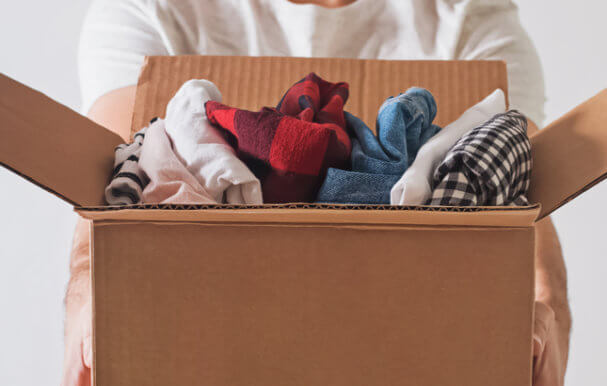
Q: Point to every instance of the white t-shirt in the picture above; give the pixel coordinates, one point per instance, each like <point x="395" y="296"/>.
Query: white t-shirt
<point x="118" y="34"/>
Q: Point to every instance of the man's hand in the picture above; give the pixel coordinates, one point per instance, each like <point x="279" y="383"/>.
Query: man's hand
<point x="549" y="361"/>
<point x="78" y="356"/>
<point x="552" y="314"/>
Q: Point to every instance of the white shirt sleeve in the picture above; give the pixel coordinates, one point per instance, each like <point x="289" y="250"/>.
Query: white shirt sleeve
<point x="492" y="30"/>
<point x="116" y="37"/>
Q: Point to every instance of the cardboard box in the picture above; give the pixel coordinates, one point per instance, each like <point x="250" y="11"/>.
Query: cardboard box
<point x="304" y="294"/>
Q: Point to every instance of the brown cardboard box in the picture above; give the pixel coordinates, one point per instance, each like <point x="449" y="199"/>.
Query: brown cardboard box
<point x="304" y="294"/>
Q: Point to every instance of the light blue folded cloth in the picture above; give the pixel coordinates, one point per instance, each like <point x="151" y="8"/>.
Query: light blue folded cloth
<point x="404" y="124"/>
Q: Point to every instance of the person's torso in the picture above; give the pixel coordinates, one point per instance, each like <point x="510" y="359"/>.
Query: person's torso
<point x="379" y="29"/>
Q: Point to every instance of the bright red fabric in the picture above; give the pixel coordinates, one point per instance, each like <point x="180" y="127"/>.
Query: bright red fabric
<point x="290" y="148"/>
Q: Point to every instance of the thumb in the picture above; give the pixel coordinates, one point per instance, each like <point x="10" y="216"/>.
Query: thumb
<point x="87" y="351"/>
<point x="538" y="345"/>
<point x="543" y="321"/>
<point x="86" y="324"/>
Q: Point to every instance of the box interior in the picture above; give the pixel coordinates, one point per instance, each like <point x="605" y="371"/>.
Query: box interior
<point x="71" y="156"/>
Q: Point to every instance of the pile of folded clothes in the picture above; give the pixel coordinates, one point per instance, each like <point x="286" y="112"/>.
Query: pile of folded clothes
<point x="308" y="149"/>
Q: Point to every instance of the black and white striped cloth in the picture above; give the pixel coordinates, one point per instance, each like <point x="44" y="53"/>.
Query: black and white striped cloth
<point x="128" y="180"/>
<point x="488" y="166"/>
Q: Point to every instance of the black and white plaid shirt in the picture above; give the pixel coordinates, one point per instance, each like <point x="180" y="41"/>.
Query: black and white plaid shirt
<point x="489" y="166"/>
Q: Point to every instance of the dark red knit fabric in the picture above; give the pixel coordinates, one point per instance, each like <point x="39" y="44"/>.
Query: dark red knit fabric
<point x="290" y="148"/>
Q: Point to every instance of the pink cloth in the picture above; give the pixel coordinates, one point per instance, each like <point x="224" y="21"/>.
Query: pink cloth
<point x="170" y="182"/>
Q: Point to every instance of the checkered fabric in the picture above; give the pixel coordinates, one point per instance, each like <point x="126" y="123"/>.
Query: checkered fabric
<point x="290" y="148"/>
<point x="489" y="166"/>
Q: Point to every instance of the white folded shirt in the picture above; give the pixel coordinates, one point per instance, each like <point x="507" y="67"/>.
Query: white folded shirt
<point x="203" y="149"/>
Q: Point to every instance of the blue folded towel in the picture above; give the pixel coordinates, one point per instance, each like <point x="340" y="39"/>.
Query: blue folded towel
<point x="404" y="124"/>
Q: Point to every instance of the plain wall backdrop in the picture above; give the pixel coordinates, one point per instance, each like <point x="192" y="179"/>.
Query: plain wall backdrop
<point x="39" y="44"/>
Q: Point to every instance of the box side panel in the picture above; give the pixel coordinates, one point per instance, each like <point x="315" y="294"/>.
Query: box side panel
<point x="311" y="306"/>
<point x="253" y="82"/>
<point x="53" y="146"/>
<point x="570" y="155"/>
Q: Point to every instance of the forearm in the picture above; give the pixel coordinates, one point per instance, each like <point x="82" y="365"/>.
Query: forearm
<point x="79" y="286"/>
<point x="551" y="281"/>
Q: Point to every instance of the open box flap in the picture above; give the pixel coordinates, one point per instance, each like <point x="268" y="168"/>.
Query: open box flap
<point x="570" y="155"/>
<point x="53" y="146"/>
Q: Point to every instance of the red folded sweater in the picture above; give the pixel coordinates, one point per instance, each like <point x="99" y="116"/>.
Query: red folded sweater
<point x="290" y="148"/>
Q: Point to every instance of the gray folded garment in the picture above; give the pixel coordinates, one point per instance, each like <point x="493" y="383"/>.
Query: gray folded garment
<point x="128" y="180"/>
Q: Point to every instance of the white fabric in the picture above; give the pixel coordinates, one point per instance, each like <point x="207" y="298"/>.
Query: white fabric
<point x="204" y="151"/>
<point x="414" y="187"/>
<point x="117" y="34"/>
<point x="170" y="181"/>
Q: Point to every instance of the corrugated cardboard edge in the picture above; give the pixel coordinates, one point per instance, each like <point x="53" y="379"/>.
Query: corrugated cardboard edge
<point x="570" y="155"/>
<point x="93" y="299"/>
<point x="531" y="311"/>
<point x="491" y="216"/>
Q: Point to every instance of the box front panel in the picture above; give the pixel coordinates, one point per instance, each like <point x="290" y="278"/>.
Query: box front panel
<point x="311" y="305"/>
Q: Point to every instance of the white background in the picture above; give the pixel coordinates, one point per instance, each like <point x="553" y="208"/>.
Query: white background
<point x="38" y="41"/>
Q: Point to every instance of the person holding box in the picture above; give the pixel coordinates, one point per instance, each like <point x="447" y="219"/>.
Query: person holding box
<point x="118" y="34"/>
